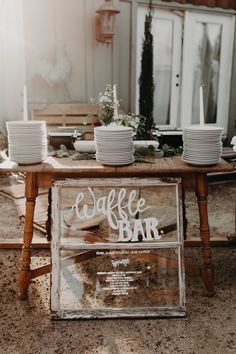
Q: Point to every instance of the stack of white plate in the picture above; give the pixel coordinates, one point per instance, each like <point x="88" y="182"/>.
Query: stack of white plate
<point x="114" y="145"/>
<point x="202" y="145"/>
<point x="27" y="141"/>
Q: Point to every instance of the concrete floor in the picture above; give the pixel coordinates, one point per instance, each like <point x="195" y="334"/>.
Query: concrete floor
<point x="210" y="326"/>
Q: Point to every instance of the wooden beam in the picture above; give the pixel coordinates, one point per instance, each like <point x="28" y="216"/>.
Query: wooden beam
<point x="17" y="243"/>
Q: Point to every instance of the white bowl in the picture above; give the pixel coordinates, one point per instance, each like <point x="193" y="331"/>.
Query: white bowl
<point x="85" y="145"/>
<point x="146" y="143"/>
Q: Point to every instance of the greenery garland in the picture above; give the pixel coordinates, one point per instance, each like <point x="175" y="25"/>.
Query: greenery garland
<point x="164" y="151"/>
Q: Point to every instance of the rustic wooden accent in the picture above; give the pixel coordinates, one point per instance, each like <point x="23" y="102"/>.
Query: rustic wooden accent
<point x="54" y="168"/>
<point x="208" y="270"/>
<point x="42" y="175"/>
<point x="151" y="258"/>
<point x="31" y="192"/>
<point x="17" y="243"/>
<point x="17" y="191"/>
<point x="40" y="215"/>
<point x="81" y="115"/>
<point x="126" y="313"/>
<point x="225" y="4"/>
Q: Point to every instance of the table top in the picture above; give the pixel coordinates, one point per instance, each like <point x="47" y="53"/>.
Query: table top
<point x="148" y="166"/>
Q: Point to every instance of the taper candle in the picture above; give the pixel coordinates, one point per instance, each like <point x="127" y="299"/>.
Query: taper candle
<point x="25" y="106"/>
<point x="202" y="120"/>
<point x="115" y="114"/>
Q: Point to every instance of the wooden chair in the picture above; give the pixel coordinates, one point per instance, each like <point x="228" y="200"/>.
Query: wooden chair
<point x="83" y="116"/>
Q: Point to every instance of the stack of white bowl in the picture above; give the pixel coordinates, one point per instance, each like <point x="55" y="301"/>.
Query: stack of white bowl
<point x="202" y="144"/>
<point x="114" y="145"/>
<point x="27" y="141"/>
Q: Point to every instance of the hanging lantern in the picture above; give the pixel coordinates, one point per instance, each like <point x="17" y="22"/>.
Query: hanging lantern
<point x="105" y="22"/>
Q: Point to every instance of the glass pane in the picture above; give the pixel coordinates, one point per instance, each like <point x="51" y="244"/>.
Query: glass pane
<point x="119" y="279"/>
<point x="162" y="55"/>
<point x="119" y="214"/>
<point x="206" y="70"/>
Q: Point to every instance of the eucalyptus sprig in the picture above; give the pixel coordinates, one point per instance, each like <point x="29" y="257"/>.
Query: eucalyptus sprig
<point x="169" y="150"/>
<point x="74" y="155"/>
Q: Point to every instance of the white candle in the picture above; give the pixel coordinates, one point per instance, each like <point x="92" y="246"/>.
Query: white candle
<point x="115" y="115"/>
<point x="202" y="120"/>
<point x="25" y="108"/>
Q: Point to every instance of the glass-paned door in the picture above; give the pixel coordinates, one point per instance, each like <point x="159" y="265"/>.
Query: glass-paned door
<point x="189" y="49"/>
<point x="207" y="61"/>
<point x="166" y="30"/>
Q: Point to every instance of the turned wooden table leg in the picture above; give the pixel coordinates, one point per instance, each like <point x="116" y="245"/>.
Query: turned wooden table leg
<point x="208" y="268"/>
<point x="31" y="192"/>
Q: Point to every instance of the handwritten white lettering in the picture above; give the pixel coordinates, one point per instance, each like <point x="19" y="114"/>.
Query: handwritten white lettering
<point x="107" y="206"/>
<point x="118" y="206"/>
<point x="123" y="262"/>
<point x="126" y="234"/>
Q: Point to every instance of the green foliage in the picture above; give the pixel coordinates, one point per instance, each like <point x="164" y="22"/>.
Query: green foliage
<point x="107" y="107"/>
<point x="146" y="81"/>
<point x="140" y="152"/>
<point x="74" y="155"/>
<point x="171" y="151"/>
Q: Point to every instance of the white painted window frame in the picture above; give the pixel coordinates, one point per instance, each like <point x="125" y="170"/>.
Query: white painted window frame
<point x="176" y="61"/>
<point x="226" y="56"/>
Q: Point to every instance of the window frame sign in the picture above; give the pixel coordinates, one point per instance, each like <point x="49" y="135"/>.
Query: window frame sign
<point x="117" y="248"/>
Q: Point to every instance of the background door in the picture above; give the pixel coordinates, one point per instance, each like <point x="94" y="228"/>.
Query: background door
<point x="207" y="61"/>
<point x="166" y="30"/>
<point x="190" y="49"/>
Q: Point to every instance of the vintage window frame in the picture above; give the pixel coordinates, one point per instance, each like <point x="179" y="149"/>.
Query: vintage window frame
<point x="56" y="247"/>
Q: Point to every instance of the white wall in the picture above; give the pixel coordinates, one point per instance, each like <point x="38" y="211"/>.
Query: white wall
<point x="48" y="23"/>
<point x="12" y="64"/>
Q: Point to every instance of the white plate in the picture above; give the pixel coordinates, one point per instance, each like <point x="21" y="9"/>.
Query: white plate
<point x="112" y="128"/>
<point x="114" y="160"/>
<point x="200" y="163"/>
<point x="116" y="163"/>
<point x="198" y="127"/>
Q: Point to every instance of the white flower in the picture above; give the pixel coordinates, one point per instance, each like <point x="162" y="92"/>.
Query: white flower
<point x="102" y="98"/>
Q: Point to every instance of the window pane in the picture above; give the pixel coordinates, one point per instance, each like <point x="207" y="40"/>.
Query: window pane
<point x="119" y="279"/>
<point x="83" y="222"/>
<point x="163" y="54"/>
<point x="206" y="69"/>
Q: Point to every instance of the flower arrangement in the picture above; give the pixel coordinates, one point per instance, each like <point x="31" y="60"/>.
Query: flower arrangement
<point x="107" y="106"/>
<point x="108" y="111"/>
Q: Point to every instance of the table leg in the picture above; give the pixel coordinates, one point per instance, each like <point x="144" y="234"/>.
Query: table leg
<point x="31" y="192"/>
<point x="208" y="268"/>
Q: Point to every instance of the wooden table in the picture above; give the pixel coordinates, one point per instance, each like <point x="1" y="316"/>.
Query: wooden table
<point x="42" y="175"/>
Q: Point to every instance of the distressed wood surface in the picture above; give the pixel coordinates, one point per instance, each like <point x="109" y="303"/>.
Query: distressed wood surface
<point x="124" y="313"/>
<point x="151" y="167"/>
<point x="31" y="192"/>
<point x="18" y="243"/>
